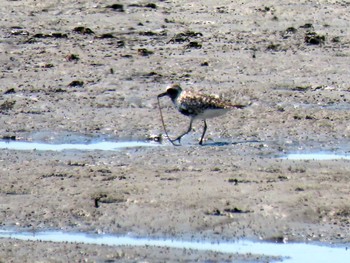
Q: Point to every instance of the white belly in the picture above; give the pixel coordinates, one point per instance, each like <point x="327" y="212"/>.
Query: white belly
<point x="211" y="113"/>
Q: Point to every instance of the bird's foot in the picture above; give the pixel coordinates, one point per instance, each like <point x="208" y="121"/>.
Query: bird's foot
<point x="176" y="140"/>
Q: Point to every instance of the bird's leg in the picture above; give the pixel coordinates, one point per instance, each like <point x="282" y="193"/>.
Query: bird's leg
<point x="188" y="130"/>
<point x="204" y="130"/>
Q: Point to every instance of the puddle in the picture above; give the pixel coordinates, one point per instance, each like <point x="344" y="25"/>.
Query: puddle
<point x="333" y="107"/>
<point x="290" y="252"/>
<point x="102" y="146"/>
<point x="316" y="156"/>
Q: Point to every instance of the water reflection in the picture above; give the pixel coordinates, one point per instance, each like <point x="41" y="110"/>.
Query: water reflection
<point x="102" y="146"/>
<point x="316" y="156"/>
<point x="290" y="252"/>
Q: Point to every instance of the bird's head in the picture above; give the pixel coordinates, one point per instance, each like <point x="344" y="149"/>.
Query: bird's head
<point x="173" y="91"/>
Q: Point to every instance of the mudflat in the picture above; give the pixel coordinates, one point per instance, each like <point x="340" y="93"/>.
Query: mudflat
<point x="94" y="69"/>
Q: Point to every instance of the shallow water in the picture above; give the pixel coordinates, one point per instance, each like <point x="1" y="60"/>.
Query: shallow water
<point x="102" y="146"/>
<point x="316" y="156"/>
<point x="290" y="252"/>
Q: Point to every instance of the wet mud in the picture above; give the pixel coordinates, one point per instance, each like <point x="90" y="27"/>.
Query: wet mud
<point x="94" y="69"/>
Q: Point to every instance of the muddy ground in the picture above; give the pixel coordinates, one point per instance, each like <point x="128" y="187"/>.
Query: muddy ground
<point x="95" y="67"/>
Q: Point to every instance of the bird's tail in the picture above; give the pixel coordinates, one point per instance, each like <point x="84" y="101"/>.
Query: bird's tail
<point x="239" y="106"/>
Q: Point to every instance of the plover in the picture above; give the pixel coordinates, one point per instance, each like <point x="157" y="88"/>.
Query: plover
<point x="197" y="106"/>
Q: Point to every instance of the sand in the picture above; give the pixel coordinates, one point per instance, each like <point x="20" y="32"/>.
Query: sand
<point x="94" y="69"/>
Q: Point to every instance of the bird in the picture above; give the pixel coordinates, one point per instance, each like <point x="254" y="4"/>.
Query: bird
<point x="197" y="105"/>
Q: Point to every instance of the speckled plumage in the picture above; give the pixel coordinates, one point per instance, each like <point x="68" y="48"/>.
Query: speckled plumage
<point x="201" y="106"/>
<point x="197" y="106"/>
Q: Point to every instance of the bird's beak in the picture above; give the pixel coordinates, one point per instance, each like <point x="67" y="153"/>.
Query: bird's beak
<point x="162" y="94"/>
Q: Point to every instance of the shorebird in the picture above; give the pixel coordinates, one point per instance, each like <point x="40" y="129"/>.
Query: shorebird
<point x="196" y="106"/>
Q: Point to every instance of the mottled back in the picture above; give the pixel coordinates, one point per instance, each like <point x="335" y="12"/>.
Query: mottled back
<point x="194" y="104"/>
